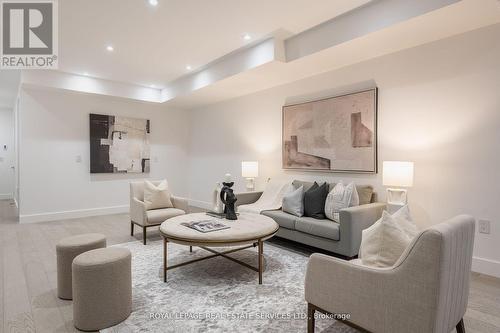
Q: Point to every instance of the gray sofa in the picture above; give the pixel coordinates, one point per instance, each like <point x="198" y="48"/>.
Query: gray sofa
<point x="343" y="238"/>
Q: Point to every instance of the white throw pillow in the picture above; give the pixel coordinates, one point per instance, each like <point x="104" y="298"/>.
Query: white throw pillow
<point x="157" y="196"/>
<point x="383" y="243"/>
<point x="340" y="197"/>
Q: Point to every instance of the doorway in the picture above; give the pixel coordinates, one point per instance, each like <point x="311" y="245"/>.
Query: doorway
<point x="7" y="164"/>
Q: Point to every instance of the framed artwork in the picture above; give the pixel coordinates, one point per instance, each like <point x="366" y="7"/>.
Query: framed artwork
<point x="336" y="134"/>
<point x="119" y="144"/>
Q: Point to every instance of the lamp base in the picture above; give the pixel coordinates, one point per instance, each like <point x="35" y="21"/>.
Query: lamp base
<point x="396" y="198"/>
<point x="250" y="184"/>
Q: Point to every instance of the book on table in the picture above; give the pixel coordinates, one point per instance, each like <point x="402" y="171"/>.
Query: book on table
<point x="206" y="225"/>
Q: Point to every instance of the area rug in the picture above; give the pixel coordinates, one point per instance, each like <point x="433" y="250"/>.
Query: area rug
<point x="218" y="295"/>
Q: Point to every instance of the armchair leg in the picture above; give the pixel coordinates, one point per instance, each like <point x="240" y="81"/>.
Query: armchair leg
<point x="310" y="318"/>
<point x="131" y="229"/>
<point x="144" y="235"/>
<point x="460" y="326"/>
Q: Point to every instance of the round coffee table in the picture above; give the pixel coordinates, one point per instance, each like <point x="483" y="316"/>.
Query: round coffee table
<point x="249" y="230"/>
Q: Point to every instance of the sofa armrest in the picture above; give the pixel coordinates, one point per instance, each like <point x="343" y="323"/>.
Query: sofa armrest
<point x="246" y="198"/>
<point x="180" y="203"/>
<point x="138" y="211"/>
<point x="354" y="220"/>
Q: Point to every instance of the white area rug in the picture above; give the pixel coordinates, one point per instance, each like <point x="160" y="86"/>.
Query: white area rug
<point x="218" y="295"/>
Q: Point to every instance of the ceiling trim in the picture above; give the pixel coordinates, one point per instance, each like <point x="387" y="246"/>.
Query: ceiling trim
<point x="90" y="85"/>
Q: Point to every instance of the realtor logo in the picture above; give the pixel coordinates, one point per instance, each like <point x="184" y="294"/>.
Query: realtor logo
<point x="29" y="34"/>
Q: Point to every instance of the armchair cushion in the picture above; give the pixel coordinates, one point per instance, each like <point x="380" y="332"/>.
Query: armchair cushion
<point x="157" y="196"/>
<point x="383" y="243"/>
<point x="158" y="216"/>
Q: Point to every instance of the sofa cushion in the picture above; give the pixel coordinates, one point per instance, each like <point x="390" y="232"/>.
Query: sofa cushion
<point x="157" y="216"/>
<point x="322" y="228"/>
<point x="314" y="201"/>
<point x="285" y="220"/>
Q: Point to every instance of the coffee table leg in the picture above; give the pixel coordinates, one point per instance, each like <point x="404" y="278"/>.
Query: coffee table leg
<point x="261" y="259"/>
<point x="190" y="249"/>
<point x="164" y="260"/>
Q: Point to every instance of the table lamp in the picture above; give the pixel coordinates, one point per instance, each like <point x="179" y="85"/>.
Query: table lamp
<point x="250" y="170"/>
<point x="397" y="174"/>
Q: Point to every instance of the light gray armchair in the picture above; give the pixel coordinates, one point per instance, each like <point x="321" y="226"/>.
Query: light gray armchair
<point x="144" y="218"/>
<point x="425" y="291"/>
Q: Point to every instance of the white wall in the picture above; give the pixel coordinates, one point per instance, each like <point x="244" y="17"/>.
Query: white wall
<point x="54" y="129"/>
<point x="7" y="157"/>
<point x="439" y="106"/>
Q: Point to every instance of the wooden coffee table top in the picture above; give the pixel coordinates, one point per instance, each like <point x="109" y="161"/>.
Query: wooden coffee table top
<point x="247" y="229"/>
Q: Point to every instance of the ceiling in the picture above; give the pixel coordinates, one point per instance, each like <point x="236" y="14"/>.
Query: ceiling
<point x="154" y="44"/>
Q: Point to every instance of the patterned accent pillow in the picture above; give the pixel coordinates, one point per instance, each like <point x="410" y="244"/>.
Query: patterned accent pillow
<point x="340" y="197"/>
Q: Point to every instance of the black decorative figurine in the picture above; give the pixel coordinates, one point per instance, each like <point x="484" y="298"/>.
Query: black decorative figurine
<point x="228" y="199"/>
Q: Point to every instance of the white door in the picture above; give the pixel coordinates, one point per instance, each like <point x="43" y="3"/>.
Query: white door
<point x="7" y="154"/>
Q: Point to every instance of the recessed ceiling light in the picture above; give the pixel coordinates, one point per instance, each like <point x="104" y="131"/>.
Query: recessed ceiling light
<point x="86" y="73"/>
<point x="110" y="48"/>
<point x="189" y="67"/>
<point x="247" y="37"/>
<point x="152" y="86"/>
<point x="153" y="2"/>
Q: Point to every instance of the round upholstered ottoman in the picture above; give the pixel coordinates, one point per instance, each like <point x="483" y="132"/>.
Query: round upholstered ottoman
<point x="102" y="288"/>
<point x="67" y="249"/>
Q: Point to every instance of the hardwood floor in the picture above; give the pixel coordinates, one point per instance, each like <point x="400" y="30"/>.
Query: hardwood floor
<point x="28" y="297"/>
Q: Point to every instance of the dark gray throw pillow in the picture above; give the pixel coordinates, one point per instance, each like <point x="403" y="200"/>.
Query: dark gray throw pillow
<point x="314" y="201"/>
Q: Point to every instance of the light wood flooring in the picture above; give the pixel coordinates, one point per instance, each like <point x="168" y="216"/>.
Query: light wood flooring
<point x="28" y="297"/>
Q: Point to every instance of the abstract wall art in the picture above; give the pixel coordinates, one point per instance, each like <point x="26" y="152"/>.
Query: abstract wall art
<point x="119" y="144"/>
<point x="337" y="134"/>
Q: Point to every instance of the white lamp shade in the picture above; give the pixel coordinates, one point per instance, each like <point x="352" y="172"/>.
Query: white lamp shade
<point x="398" y="173"/>
<point x="249" y="169"/>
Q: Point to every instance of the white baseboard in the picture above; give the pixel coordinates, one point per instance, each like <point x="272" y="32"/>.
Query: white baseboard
<point x="72" y="214"/>
<point x="486" y="266"/>
<point x="200" y="204"/>
<point x="5" y="196"/>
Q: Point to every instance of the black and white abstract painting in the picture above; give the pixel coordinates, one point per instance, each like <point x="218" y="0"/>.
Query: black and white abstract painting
<point x="119" y="144"/>
<point x="337" y="134"/>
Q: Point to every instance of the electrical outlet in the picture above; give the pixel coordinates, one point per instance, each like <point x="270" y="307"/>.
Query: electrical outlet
<point x="78" y="159"/>
<point x="484" y="226"/>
